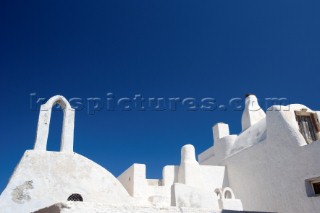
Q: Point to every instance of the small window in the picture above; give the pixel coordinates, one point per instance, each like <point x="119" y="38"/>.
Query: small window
<point x="313" y="187"/>
<point x="316" y="187"/>
<point x="308" y="125"/>
<point x="75" y="197"/>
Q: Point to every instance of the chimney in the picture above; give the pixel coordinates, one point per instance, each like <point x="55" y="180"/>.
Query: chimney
<point x="252" y="112"/>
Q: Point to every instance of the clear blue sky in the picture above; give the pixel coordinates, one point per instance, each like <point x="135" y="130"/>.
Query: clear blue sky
<point x="220" y="49"/>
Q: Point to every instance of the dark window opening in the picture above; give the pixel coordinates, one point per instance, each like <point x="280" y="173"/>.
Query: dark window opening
<point x="316" y="188"/>
<point x="308" y="125"/>
<point x="75" y="197"/>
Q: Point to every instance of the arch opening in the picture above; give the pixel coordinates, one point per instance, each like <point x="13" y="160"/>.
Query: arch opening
<point x="66" y="140"/>
<point x="55" y="130"/>
<point x="228" y="195"/>
<point x="75" y="197"/>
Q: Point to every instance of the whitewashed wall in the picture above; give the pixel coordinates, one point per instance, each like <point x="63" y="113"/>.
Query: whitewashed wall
<point x="269" y="164"/>
<point x="43" y="178"/>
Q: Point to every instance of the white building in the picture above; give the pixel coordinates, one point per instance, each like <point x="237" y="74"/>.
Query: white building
<point x="274" y="164"/>
<point x="271" y="166"/>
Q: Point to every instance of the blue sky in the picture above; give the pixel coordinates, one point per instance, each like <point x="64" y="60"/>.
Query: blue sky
<point x="218" y="49"/>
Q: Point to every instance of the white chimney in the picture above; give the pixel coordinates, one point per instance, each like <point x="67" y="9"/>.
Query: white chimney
<point x="252" y="112"/>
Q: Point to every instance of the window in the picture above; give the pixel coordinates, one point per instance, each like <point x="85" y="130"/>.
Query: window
<point x="75" y="197"/>
<point x="316" y="187"/>
<point x="313" y="187"/>
<point x="308" y="125"/>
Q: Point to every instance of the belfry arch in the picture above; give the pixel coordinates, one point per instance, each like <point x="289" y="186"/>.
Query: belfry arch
<point x="66" y="144"/>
